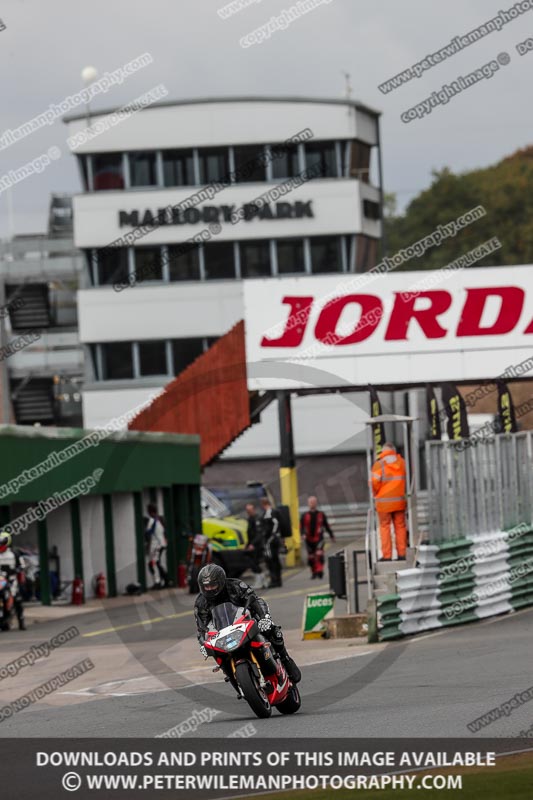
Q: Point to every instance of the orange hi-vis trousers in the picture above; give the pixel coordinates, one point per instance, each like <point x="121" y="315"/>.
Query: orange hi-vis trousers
<point x="397" y="518"/>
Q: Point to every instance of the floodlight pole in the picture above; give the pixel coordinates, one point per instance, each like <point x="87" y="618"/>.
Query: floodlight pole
<point x="288" y="477"/>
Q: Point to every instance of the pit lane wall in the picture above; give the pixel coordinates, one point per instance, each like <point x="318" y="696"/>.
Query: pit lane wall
<point x="458" y="581"/>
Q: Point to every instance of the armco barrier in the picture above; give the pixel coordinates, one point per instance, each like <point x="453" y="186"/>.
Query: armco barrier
<point x="461" y="580"/>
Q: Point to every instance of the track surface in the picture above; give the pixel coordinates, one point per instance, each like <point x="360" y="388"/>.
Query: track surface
<point x="148" y="677"/>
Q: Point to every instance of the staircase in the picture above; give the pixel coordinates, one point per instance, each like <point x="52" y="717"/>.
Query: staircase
<point x="385" y="573"/>
<point x="33" y="401"/>
<point x="31" y="311"/>
<point x="349" y="522"/>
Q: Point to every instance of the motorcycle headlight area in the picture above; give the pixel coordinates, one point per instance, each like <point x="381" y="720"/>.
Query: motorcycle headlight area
<point x="229" y="642"/>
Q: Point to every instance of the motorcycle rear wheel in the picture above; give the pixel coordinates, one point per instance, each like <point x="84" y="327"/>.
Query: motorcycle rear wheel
<point x="254" y="695"/>
<point x="292" y="702"/>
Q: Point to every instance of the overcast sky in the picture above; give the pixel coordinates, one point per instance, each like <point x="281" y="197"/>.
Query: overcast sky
<point x="196" y="53"/>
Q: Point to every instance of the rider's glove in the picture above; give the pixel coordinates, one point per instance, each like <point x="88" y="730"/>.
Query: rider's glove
<point x="203" y="651"/>
<point x="265" y="624"/>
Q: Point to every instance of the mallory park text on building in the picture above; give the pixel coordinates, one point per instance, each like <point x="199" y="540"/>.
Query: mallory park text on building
<point x="222" y="213"/>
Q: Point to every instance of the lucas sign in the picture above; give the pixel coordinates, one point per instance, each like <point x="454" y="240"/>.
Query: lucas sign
<point x="317" y="607"/>
<point x="404" y="328"/>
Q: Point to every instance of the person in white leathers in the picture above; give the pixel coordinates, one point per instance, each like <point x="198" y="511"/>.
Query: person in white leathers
<point x="156" y="546"/>
<point x="12" y="565"/>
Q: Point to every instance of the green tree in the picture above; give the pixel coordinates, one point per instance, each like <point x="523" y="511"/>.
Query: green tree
<point x="505" y="190"/>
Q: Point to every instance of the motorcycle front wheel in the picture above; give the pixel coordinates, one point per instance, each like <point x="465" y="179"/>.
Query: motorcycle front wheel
<point x="254" y="695"/>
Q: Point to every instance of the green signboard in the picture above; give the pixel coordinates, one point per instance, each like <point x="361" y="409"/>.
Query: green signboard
<point x="317" y="607"/>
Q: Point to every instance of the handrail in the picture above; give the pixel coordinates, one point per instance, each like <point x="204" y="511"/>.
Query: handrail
<point x="370" y="559"/>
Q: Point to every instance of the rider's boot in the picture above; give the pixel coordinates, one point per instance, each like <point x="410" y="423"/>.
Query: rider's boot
<point x="293" y="670"/>
<point x="290" y="665"/>
<point x="20" y="615"/>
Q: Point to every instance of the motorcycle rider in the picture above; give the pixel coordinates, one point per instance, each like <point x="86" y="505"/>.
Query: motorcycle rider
<point x="12" y="565"/>
<point x="215" y="589"/>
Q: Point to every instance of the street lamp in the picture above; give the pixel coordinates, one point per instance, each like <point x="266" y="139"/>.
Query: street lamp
<point x="88" y="75"/>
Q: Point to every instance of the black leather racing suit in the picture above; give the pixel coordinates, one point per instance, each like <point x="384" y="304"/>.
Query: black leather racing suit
<point x="240" y="594"/>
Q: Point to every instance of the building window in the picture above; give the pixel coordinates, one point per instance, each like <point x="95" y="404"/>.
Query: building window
<point x="285" y="162"/>
<point x="184" y="352"/>
<point x="178" y="168"/>
<point x="255" y="259"/>
<point x="326" y="254"/>
<point x="108" y="172"/>
<point x="153" y="358"/>
<point x="359" y="166"/>
<point x="291" y="256"/>
<point x="142" y="169"/>
<point x="95" y="372"/>
<point x="148" y="264"/>
<point x="322" y="157"/>
<point x="366" y="253"/>
<point x="219" y="260"/>
<point x="249" y="163"/>
<point x="184" y="264"/>
<point x="214" y="165"/>
<point x="371" y="209"/>
<point x="83" y="163"/>
<point x="112" y="265"/>
<point x="117" y="361"/>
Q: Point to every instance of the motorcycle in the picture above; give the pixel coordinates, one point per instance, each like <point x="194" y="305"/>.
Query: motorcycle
<point x="249" y="663"/>
<point x="7" y="602"/>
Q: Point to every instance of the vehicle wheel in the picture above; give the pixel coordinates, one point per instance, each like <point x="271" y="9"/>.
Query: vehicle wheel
<point x="292" y="702"/>
<point x="254" y="695"/>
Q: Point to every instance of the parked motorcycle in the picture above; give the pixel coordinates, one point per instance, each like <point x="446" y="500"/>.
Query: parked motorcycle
<point x="249" y="662"/>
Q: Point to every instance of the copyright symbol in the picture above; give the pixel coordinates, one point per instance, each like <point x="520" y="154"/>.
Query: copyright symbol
<point x="54" y="153"/>
<point x="71" y="781"/>
<point x="215" y="228"/>
<point x="503" y="59"/>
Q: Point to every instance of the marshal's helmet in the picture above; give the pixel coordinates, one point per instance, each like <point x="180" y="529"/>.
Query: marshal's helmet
<point x="211" y="580"/>
<point x="5" y="541"/>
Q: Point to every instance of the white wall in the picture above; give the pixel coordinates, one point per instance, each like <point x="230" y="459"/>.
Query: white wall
<point x="59" y="534"/>
<point x="336" y="206"/>
<point x="93" y="541"/>
<point x="125" y="548"/>
<point x="225" y="123"/>
<point x="166" y="311"/>
<point x="101" y="406"/>
<point x="322" y="423"/>
<point x="366" y="127"/>
<point x="28" y="538"/>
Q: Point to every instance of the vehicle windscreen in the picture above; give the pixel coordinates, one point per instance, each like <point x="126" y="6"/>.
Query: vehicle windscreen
<point x="225" y="614"/>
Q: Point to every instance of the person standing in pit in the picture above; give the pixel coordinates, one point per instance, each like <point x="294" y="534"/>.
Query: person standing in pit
<point x="313" y="527"/>
<point x="272" y="542"/>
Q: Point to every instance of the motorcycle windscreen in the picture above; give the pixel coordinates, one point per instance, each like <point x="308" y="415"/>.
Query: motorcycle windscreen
<point x="225" y="615"/>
